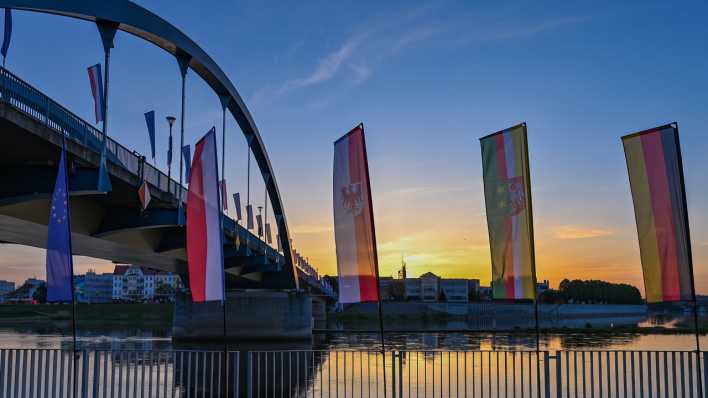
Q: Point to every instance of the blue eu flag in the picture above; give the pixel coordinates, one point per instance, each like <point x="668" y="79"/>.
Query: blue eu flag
<point x="59" y="261"/>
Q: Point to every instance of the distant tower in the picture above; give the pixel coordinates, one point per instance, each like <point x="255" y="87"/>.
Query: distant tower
<point x="402" y="271"/>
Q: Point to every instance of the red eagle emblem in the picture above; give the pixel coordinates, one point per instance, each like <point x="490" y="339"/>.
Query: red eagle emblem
<point x="352" y="201"/>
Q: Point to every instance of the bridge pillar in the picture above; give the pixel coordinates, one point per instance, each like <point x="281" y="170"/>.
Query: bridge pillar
<point x="319" y="310"/>
<point x="250" y="315"/>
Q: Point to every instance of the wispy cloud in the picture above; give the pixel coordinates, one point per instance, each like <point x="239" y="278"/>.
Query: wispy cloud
<point x="566" y="232"/>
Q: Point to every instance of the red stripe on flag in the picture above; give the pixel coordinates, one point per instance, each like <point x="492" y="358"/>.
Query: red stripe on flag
<point x="197" y="229"/>
<point x="655" y="163"/>
<point x="368" y="290"/>
<point x="508" y="253"/>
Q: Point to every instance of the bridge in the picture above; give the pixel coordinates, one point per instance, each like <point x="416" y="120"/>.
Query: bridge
<point x="112" y="226"/>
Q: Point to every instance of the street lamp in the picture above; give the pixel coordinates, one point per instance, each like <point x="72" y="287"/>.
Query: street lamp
<point x="170" y="121"/>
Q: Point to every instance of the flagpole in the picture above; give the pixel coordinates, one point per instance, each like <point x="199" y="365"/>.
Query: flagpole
<point x="71" y="262"/>
<point x="690" y="262"/>
<point x="376" y="257"/>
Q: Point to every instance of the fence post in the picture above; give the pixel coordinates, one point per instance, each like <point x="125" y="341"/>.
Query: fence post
<point x="249" y="375"/>
<point x="84" y="374"/>
<point x="401" y="355"/>
<point x="559" y="375"/>
<point x="393" y="373"/>
<point x="546" y="375"/>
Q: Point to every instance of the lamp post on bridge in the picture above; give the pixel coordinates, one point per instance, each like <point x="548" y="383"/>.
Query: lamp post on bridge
<point x="170" y="121"/>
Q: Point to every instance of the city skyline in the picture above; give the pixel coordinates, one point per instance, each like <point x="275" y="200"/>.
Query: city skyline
<point x="424" y="155"/>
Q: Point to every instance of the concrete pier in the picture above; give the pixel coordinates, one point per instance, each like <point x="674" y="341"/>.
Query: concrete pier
<point x="250" y="315"/>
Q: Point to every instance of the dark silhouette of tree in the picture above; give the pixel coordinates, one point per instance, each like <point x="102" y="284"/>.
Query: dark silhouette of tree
<point x="598" y="292"/>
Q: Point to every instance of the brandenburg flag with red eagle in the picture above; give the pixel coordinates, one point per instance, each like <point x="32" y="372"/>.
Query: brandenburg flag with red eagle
<point x="656" y="178"/>
<point x="507" y="194"/>
<point x="357" y="262"/>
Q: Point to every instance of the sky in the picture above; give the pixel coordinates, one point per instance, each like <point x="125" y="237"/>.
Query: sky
<point x="427" y="80"/>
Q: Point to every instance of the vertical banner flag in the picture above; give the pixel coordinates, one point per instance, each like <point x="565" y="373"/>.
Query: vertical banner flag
<point x="205" y="257"/>
<point x="60" y="265"/>
<point x="8" y="34"/>
<point x="237" y="205"/>
<point x="150" y="121"/>
<point x="658" y="192"/>
<point x="355" y="238"/>
<point x="259" y="221"/>
<point x="144" y="195"/>
<point x="169" y="151"/>
<point x="507" y="195"/>
<point x="249" y="216"/>
<point x="186" y="153"/>
<point x="96" y="82"/>
<point x="224" y="195"/>
<point x="269" y="237"/>
<point x="104" y="180"/>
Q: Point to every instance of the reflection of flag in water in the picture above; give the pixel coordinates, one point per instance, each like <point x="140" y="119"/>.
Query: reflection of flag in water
<point x="237" y="205"/>
<point x="656" y="178"/>
<point x="507" y="195"/>
<point x="144" y="195"/>
<point x="357" y="262"/>
<point x="96" y="82"/>
<point x="59" y="263"/>
<point x="204" y="235"/>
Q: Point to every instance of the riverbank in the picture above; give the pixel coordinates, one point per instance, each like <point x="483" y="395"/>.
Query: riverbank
<point x="95" y="315"/>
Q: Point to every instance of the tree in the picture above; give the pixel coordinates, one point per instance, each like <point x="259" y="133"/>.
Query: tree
<point x="598" y="292"/>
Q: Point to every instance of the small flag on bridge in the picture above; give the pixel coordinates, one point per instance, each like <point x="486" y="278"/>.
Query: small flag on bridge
<point x="150" y="121"/>
<point x="144" y="195"/>
<point x="224" y="195"/>
<point x="169" y="151"/>
<point x="186" y="154"/>
<point x="355" y="238"/>
<point x="96" y="81"/>
<point x="658" y="192"/>
<point x="237" y="204"/>
<point x="205" y="256"/>
<point x="59" y="263"/>
<point x="249" y="216"/>
<point x="8" y="34"/>
<point x="507" y="195"/>
<point x="104" y="180"/>
<point x="269" y="237"/>
<point x="280" y="245"/>
<point x="259" y="221"/>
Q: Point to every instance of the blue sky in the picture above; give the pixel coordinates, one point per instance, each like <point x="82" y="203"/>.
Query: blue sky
<point x="427" y="80"/>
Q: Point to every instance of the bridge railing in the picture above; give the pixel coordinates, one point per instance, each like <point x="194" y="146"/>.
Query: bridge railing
<point x="325" y="373"/>
<point x="32" y="102"/>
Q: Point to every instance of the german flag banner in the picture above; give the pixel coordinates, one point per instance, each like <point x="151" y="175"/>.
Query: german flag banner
<point x="507" y="195"/>
<point x="656" y="178"/>
<point x="354" y="233"/>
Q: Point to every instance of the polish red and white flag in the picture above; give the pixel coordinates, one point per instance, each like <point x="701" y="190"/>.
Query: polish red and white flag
<point x="205" y="254"/>
<point x="355" y="237"/>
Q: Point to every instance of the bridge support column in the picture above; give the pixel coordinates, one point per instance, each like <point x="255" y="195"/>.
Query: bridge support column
<point x="250" y="315"/>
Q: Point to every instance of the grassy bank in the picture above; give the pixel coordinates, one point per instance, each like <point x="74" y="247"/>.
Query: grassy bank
<point x="89" y="314"/>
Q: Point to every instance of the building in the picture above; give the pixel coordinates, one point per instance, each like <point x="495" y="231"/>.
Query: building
<point x="96" y="288"/>
<point x="455" y="290"/>
<point x="26" y="292"/>
<point x="542" y="287"/>
<point x="411" y="289"/>
<point x="134" y="283"/>
<point x="6" y="287"/>
<point x="429" y="287"/>
<point x="386" y="288"/>
<point x="473" y="287"/>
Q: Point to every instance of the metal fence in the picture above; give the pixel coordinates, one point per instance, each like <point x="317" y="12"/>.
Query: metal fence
<point x="561" y="374"/>
<point x="41" y="373"/>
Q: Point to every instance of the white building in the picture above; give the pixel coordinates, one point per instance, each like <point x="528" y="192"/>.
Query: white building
<point x="429" y="287"/>
<point x="411" y="289"/>
<point x="455" y="290"/>
<point x="138" y="284"/>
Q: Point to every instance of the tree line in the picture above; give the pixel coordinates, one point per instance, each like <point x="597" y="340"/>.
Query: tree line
<point x="592" y="292"/>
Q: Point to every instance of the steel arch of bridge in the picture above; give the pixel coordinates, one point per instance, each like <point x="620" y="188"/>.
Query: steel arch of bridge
<point x="146" y="25"/>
